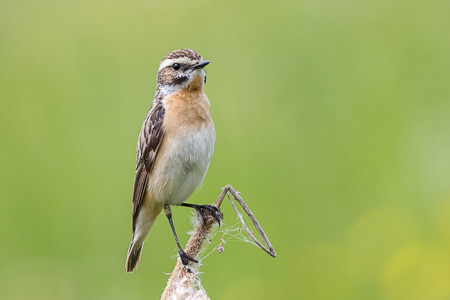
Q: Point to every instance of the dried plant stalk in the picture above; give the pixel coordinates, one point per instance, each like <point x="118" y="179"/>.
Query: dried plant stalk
<point x="252" y="217"/>
<point x="183" y="280"/>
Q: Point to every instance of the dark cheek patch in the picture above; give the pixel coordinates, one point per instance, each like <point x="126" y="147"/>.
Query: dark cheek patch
<point x="179" y="80"/>
<point x="168" y="76"/>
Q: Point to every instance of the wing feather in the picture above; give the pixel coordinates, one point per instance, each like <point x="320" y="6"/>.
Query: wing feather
<point x="149" y="141"/>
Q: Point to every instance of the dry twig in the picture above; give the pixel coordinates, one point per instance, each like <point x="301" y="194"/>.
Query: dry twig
<point x="183" y="280"/>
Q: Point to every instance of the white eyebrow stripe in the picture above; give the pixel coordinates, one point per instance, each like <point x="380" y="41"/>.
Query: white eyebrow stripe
<point x="180" y="60"/>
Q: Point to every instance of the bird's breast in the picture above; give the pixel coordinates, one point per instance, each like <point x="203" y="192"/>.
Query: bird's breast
<point x="186" y="149"/>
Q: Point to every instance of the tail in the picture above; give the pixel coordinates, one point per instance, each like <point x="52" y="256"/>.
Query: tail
<point x="134" y="255"/>
<point x="137" y="242"/>
<point x="144" y="221"/>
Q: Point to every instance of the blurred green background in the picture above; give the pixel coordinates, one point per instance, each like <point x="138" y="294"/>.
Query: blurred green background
<point x="332" y="119"/>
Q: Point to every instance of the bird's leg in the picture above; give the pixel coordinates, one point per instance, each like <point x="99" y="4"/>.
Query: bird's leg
<point x="183" y="256"/>
<point x="200" y="209"/>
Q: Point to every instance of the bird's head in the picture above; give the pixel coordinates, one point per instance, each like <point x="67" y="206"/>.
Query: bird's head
<point x="181" y="69"/>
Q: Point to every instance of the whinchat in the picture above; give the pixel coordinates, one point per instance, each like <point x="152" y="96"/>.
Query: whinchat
<point x="174" y="148"/>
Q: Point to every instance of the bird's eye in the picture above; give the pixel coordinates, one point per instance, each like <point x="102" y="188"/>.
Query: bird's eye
<point x="176" y="67"/>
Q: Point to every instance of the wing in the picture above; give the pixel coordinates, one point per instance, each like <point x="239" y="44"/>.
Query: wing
<point x="147" y="148"/>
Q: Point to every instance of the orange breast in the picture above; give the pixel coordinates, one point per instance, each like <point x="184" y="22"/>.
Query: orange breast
<point x="187" y="110"/>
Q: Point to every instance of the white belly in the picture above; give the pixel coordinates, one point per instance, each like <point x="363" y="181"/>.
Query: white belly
<point x="186" y="160"/>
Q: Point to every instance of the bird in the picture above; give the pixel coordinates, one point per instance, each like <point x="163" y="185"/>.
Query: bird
<point x="174" y="148"/>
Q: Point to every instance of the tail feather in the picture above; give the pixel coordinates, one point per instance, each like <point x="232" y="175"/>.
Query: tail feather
<point x="134" y="255"/>
<point x="145" y="220"/>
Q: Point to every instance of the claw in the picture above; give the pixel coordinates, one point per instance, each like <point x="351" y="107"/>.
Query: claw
<point x="184" y="257"/>
<point x="214" y="210"/>
<point x="200" y="209"/>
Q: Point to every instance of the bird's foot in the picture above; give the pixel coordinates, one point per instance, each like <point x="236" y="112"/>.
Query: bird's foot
<point x="185" y="258"/>
<point x="216" y="213"/>
<point x="211" y="208"/>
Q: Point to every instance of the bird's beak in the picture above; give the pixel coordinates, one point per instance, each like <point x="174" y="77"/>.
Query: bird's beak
<point x="200" y="64"/>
